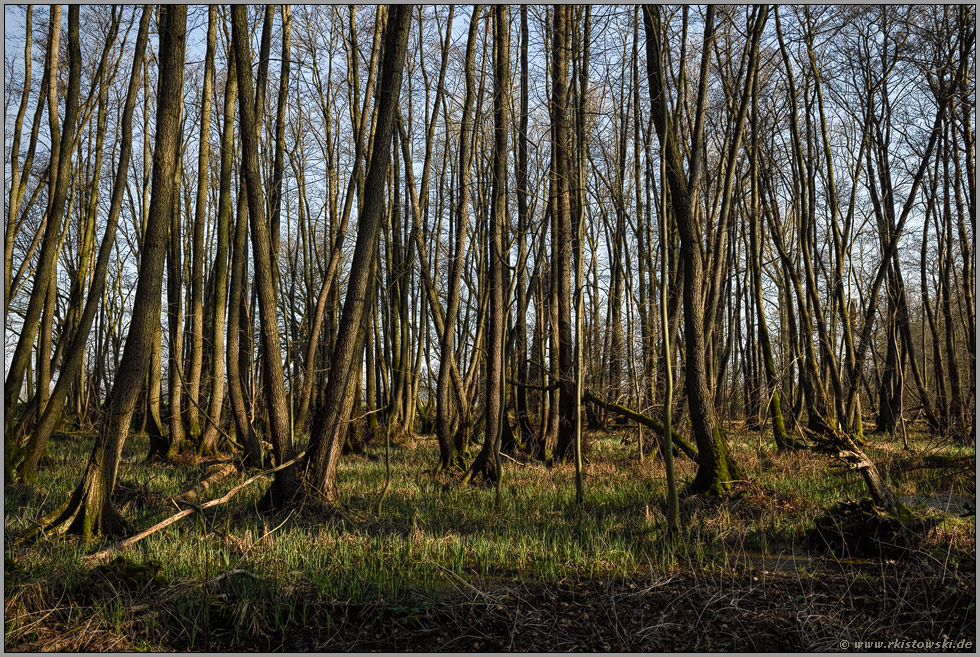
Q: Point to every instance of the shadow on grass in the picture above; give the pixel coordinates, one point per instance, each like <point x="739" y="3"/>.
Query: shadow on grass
<point x="436" y="569"/>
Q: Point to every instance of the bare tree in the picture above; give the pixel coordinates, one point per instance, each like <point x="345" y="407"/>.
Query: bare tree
<point x="90" y="511"/>
<point x="330" y="422"/>
<point x="283" y="486"/>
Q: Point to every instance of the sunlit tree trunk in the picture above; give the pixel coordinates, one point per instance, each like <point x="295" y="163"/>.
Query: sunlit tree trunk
<point x="90" y="510"/>
<point x="330" y="422"/>
<point x="58" y="179"/>
<point x="196" y="364"/>
<point x="75" y="352"/>
<point x="209" y="438"/>
<point x="280" y="435"/>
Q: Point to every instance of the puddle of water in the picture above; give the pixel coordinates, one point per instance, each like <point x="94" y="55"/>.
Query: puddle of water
<point x="779" y="563"/>
<point x="790" y="563"/>
<point x="953" y="504"/>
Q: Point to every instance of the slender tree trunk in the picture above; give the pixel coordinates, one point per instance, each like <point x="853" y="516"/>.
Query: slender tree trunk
<point x="75" y="352"/>
<point x="771" y="388"/>
<point x="487" y="462"/>
<point x="449" y="453"/>
<point x="716" y="467"/>
<point x="164" y="446"/>
<point x="523" y="224"/>
<point x="197" y="266"/>
<point x="330" y="422"/>
<point x="209" y="439"/>
<point x="16" y="192"/>
<point x="327" y="289"/>
<point x="58" y="179"/>
<point x="284" y="484"/>
<point x="562" y="239"/>
<point x="673" y="503"/>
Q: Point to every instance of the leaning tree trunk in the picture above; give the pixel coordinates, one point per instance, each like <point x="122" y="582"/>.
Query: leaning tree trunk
<point x="330" y="423"/>
<point x="16" y="193"/>
<point x="59" y="166"/>
<point x="90" y="510"/>
<point x="76" y="350"/>
<point x="716" y="467"/>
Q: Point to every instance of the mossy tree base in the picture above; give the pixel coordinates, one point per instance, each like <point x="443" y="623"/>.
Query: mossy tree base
<point x="194" y="431"/>
<point x="717" y="470"/>
<point x="89" y="512"/>
<point x="453" y="453"/>
<point x="452" y="463"/>
<point x="784" y="442"/>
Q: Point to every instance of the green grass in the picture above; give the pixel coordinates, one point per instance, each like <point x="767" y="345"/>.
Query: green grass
<point x="433" y="535"/>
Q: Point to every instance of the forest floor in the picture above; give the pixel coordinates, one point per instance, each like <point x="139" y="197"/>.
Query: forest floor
<point x="434" y="568"/>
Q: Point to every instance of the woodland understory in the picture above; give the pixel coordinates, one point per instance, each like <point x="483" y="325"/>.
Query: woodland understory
<point x="489" y="327"/>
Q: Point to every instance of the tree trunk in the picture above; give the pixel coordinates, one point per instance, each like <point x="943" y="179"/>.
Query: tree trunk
<point x="90" y="510"/>
<point x="197" y="266"/>
<point x="780" y="435"/>
<point x="75" y="352"/>
<point x="450" y="454"/>
<point x="58" y="175"/>
<point x="562" y="172"/>
<point x="330" y="423"/>
<point x="487" y="462"/>
<point x="209" y="439"/>
<point x="164" y="446"/>
<point x="16" y="193"/>
<point x="284" y="484"/>
<point x="716" y="467"/>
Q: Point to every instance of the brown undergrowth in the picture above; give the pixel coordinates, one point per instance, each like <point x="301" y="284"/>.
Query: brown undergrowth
<point x="746" y="610"/>
<point x="435" y="569"/>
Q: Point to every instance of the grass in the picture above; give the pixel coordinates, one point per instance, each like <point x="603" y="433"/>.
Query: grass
<point x="435" y="544"/>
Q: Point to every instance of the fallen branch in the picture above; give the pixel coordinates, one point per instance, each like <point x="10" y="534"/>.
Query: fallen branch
<point x="215" y="582"/>
<point x="531" y="386"/>
<point x="200" y="487"/>
<point x="681" y="443"/>
<point x="103" y="555"/>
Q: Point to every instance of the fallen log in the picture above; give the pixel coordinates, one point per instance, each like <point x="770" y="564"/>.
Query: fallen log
<point x="101" y="556"/>
<point x="681" y="443"/>
<point x="218" y="474"/>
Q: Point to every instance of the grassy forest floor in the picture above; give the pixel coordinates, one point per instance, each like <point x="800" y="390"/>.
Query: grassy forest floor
<point x="436" y="569"/>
